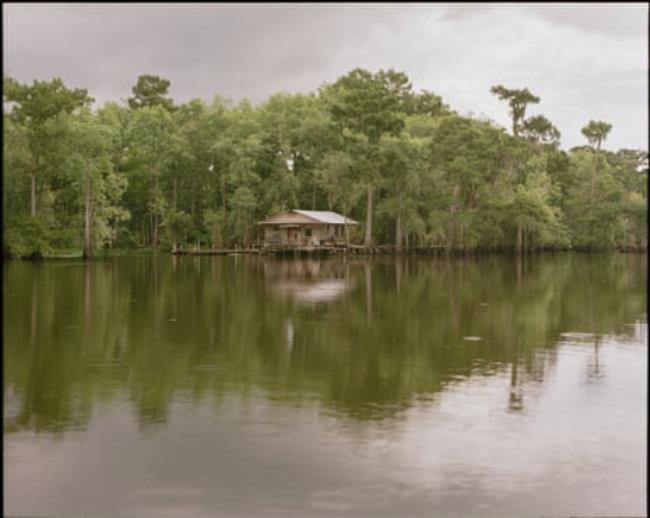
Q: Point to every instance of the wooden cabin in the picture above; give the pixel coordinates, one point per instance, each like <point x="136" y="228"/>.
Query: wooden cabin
<point x="304" y="229"/>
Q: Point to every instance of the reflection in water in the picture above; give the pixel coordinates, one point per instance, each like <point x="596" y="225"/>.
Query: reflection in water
<point x="308" y="281"/>
<point x="595" y="370"/>
<point x="367" y="273"/>
<point x="374" y="351"/>
<point x="516" y="389"/>
<point x="314" y="291"/>
<point x="436" y="350"/>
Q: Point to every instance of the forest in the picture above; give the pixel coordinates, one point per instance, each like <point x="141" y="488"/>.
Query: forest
<point x="152" y="175"/>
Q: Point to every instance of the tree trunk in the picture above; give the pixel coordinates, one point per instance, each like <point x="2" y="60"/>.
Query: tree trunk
<point x="398" y="274"/>
<point x="462" y="236"/>
<point x="595" y="172"/>
<point x="515" y="389"/>
<point x="519" y="238"/>
<point x="154" y="240"/>
<point x="368" y="239"/>
<point x="526" y="242"/>
<point x="225" y="213"/>
<point x="347" y="232"/>
<point x="88" y="250"/>
<point x="142" y="224"/>
<point x="114" y="237"/>
<point x="398" y="234"/>
<point x="150" y="226"/>
<point x="174" y="194"/>
<point x="33" y="195"/>
<point x="451" y="239"/>
<point x="143" y="231"/>
<point x="155" y="216"/>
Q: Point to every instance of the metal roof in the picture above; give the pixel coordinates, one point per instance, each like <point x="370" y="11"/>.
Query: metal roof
<point x="326" y="216"/>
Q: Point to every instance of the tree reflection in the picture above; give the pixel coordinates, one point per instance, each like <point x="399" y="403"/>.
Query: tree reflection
<point x="595" y="372"/>
<point x="367" y="338"/>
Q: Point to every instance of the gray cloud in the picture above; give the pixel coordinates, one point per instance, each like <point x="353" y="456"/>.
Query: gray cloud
<point x="626" y="20"/>
<point x="585" y="62"/>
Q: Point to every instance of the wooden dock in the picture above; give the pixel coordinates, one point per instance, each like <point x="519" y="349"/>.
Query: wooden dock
<point x="315" y="250"/>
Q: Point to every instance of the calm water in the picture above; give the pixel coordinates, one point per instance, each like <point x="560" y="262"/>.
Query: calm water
<point x="246" y="386"/>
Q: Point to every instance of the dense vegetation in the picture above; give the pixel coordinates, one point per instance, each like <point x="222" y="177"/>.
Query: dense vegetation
<point x="151" y="174"/>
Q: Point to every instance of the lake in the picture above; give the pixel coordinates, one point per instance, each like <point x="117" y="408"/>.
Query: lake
<point x="256" y="386"/>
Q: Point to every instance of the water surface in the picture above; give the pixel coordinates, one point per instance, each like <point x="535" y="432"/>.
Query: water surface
<point x="252" y="386"/>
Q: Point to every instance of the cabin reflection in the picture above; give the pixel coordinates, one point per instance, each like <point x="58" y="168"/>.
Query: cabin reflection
<point x="308" y="281"/>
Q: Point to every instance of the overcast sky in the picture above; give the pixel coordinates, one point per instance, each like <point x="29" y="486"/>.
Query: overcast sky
<point x="584" y="61"/>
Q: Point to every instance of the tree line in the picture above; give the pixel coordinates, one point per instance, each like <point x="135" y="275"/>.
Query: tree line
<point x="156" y="175"/>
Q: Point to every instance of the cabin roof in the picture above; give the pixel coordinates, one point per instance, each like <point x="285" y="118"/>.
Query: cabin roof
<point x="326" y="216"/>
<point x="306" y="217"/>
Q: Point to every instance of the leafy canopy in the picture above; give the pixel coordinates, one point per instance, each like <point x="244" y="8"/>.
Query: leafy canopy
<point x="150" y="91"/>
<point x="596" y="132"/>
<point x="518" y="100"/>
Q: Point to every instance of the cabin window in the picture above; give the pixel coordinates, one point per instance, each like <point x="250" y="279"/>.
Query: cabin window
<point x="308" y="232"/>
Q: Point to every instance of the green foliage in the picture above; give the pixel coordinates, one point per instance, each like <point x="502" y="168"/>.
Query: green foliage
<point x="215" y="221"/>
<point x="26" y="237"/>
<point x="403" y="163"/>
<point x="176" y="224"/>
<point x="539" y="129"/>
<point x="403" y="167"/>
<point x="90" y="148"/>
<point x="532" y="208"/>
<point x="366" y="106"/>
<point x="150" y="91"/>
<point x="597" y="217"/>
<point x="369" y="104"/>
<point x="518" y="100"/>
<point x="335" y="175"/>
<point x="243" y="204"/>
<point x="42" y="100"/>
<point x="426" y="103"/>
<point x="37" y="134"/>
<point x="596" y="132"/>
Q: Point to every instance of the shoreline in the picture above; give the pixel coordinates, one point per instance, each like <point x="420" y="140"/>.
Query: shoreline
<point x="357" y="251"/>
